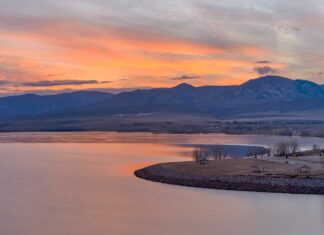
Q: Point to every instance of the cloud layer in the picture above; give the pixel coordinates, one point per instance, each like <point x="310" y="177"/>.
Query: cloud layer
<point x="265" y="70"/>
<point x="64" y="43"/>
<point x="50" y="83"/>
<point x="184" y="77"/>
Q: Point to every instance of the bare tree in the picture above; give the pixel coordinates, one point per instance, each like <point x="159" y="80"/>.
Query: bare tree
<point x="293" y="146"/>
<point x="286" y="148"/>
<point x="282" y="149"/>
<point x="201" y="155"/>
<point x="219" y="153"/>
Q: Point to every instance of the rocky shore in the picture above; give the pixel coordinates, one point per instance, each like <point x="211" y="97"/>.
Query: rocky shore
<point x="297" y="185"/>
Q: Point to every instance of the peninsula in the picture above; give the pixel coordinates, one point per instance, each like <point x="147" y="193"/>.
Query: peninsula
<point x="301" y="175"/>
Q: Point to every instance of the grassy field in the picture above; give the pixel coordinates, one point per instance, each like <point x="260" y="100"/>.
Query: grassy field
<point x="242" y="167"/>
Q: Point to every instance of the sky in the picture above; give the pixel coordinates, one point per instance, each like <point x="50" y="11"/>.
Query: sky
<point x="48" y="45"/>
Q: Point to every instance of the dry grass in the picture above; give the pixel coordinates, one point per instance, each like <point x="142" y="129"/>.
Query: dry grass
<point x="236" y="167"/>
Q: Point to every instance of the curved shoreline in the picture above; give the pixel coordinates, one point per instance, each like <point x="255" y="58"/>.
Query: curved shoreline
<point x="158" y="173"/>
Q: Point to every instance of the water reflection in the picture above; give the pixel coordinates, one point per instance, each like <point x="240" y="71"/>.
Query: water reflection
<point x="115" y="137"/>
<point x="89" y="188"/>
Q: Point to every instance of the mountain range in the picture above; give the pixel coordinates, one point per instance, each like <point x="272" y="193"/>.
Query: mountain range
<point x="261" y="95"/>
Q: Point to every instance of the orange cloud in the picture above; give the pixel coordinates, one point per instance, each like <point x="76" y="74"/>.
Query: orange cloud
<point x="95" y="52"/>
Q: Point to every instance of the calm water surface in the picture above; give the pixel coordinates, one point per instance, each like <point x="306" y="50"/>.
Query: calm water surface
<point x="83" y="183"/>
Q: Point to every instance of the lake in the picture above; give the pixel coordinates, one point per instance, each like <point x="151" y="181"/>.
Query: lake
<point x="83" y="183"/>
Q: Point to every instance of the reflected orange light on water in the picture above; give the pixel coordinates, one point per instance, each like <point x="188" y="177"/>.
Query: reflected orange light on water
<point x="129" y="169"/>
<point x="89" y="188"/>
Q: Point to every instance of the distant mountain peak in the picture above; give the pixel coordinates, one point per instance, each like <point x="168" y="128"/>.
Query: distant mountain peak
<point x="269" y="79"/>
<point x="184" y="86"/>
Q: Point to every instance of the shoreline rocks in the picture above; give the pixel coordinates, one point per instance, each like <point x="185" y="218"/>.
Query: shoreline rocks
<point x="158" y="173"/>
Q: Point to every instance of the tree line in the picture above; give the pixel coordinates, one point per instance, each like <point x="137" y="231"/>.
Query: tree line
<point x="203" y="154"/>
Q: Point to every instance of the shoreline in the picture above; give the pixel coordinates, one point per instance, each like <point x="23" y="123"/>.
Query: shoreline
<point x="170" y="124"/>
<point x="250" y="183"/>
<point x="156" y="132"/>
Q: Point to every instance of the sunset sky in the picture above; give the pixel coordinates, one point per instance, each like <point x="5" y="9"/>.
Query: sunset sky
<point x="81" y="44"/>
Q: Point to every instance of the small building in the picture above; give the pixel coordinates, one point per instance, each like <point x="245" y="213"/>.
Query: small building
<point x="304" y="169"/>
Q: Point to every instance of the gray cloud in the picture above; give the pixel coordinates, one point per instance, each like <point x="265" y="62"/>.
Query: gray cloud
<point x="49" y="83"/>
<point x="207" y="22"/>
<point x="263" y="62"/>
<point x="105" y="82"/>
<point x="4" y="82"/>
<point x="264" y="70"/>
<point x="184" y="77"/>
<point x="13" y="74"/>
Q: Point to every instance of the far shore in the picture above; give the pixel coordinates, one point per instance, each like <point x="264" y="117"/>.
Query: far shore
<point x="170" y="124"/>
<point x="171" y="132"/>
<point x="236" y="174"/>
